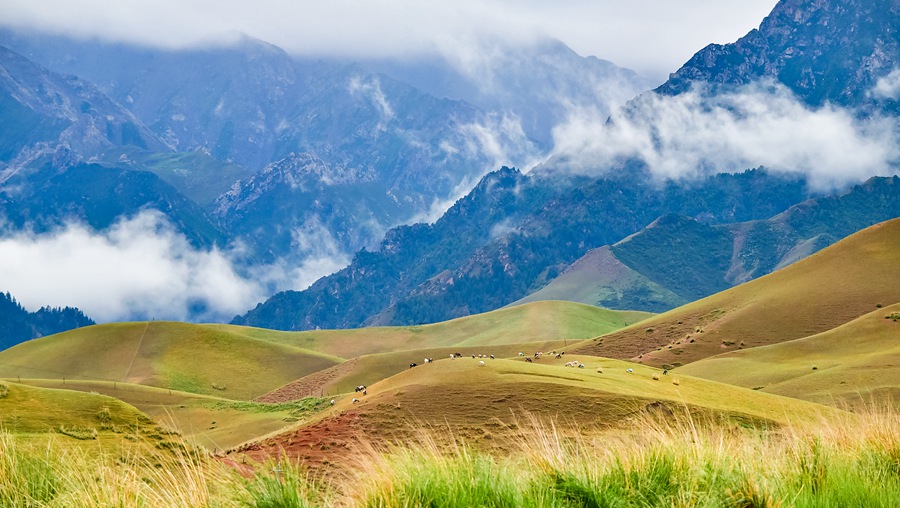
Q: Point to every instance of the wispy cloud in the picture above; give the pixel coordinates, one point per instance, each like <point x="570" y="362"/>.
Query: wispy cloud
<point x="888" y="87"/>
<point x="651" y="35"/>
<point x="694" y="134"/>
<point x="141" y="268"/>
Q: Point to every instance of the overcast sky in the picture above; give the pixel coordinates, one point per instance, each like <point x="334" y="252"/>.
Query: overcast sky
<point x="653" y="37"/>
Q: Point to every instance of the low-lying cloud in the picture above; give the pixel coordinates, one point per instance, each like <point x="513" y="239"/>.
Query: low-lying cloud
<point x="694" y="134"/>
<point x="652" y="35"/>
<point x="140" y="268"/>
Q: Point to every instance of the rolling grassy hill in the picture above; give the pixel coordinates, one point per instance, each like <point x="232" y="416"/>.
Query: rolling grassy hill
<point x="369" y="369"/>
<point x="536" y="322"/>
<point x="177" y="356"/>
<point x="30" y="410"/>
<point x="830" y="288"/>
<point x="850" y="364"/>
<point x="482" y="404"/>
<point x="212" y="422"/>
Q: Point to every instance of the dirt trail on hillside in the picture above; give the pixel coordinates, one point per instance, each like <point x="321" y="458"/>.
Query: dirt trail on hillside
<point x="308" y="386"/>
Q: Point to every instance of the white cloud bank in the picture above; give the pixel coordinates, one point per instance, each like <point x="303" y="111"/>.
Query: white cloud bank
<point x="692" y="135"/>
<point x="654" y="36"/>
<point x="140" y="268"/>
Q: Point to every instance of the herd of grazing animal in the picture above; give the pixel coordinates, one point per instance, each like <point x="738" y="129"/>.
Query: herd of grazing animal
<point x="481" y="363"/>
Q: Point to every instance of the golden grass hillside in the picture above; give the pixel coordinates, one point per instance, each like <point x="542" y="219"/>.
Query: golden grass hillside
<point x="185" y="357"/>
<point x="830" y="288"/>
<point x="851" y="364"/>
<point x="534" y="322"/>
<point x="369" y="369"/>
<point x="482" y="403"/>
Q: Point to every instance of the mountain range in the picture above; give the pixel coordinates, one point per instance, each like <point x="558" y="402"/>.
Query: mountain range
<point x="297" y="158"/>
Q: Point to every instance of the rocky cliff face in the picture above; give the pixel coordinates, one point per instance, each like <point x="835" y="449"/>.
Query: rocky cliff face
<point x="833" y="51"/>
<point x="43" y="111"/>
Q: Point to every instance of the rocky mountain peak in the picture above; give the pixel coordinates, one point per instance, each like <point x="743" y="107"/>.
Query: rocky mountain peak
<point x="831" y="51"/>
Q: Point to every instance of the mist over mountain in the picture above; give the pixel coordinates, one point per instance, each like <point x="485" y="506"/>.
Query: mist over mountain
<point x="677" y="150"/>
<point x="284" y="165"/>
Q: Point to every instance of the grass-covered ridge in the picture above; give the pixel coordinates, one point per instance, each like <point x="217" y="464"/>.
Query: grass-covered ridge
<point x="832" y="287"/>
<point x="847" y="365"/>
<point x="534" y="322"/>
<point x="178" y="356"/>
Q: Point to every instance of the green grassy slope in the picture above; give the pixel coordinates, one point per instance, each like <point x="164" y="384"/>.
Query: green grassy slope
<point x="599" y="278"/>
<point x="830" y="288"/>
<point x="180" y="356"/>
<point x="535" y="322"/>
<point x="34" y="410"/>
<point x="853" y="363"/>
<point x="212" y="422"/>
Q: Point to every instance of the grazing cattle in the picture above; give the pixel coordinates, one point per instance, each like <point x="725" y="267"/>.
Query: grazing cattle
<point x="666" y="372"/>
<point x="413" y="365"/>
<point x="360" y="388"/>
<point x="580" y="365"/>
<point x="521" y="353"/>
<point x="528" y="360"/>
<point x="558" y="356"/>
<point x="492" y="357"/>
<point x="629" y="370"/>
<point x="473" y="356"/>
<point x="332" y="402"/>
<point x="458" y="355"/>
<point x="481" y="363"/>
<point x="355" y="400"/>
<point x="452" y="357"/>
<point x="428" y="360"/>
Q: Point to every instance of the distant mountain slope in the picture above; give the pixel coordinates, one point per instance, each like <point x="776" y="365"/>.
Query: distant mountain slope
<point x="831" y="51"/>
<point x="98" y="196"/>
<point x="43" y="111"/>
<point x="18" y="325"/>
<point x="830" y="288"/>
<point x="857" y="363"/>
<point x="512" y="233"/>
<point x="676" y="260"/>
<point x="599" y="276"/>
<point x="251" y="105"/>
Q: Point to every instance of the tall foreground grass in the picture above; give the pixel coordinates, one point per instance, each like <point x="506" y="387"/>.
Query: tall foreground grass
<point x="675" y="462"/>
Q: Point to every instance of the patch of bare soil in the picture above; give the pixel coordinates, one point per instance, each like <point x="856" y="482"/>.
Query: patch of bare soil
<point x="307" y="386"/>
